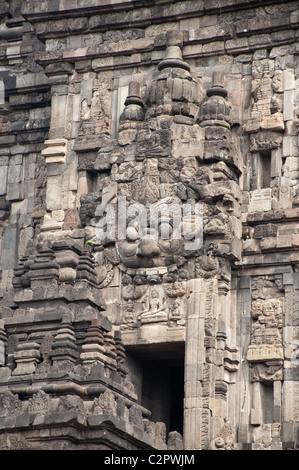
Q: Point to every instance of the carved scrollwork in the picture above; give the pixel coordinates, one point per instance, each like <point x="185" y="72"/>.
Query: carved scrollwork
<point x="225" y="440"/>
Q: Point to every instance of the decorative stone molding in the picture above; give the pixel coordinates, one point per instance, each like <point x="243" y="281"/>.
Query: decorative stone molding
<point x="171" y="104"/>
<point x="266" y="339"/>
<point x="55" y="151"/>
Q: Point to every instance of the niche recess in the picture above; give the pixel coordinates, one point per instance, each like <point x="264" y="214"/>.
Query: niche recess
<point x="159" y="376"/>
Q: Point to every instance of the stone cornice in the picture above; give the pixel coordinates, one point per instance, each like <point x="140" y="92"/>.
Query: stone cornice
<point x="229" y="5"/>
<point x="132" y="52"/>
<point x="112" y="13"/>
<point x="137" y="11"/>
<point x="243" y="35"/>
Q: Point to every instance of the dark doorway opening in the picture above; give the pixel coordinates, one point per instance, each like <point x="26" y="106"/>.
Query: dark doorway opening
<point x="177" y="399"/>
<point x="157" y="372"/>
<point x="163" y="392"/>
<point x="266" y="169"/>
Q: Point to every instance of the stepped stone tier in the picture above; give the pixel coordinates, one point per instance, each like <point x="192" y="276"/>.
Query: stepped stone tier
<point x="149" y="225"/>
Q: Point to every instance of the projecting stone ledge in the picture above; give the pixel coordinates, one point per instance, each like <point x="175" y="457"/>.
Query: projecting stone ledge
<point x="37" y="316"/>
<point x="264" y="352"/>
<point x="153" y="334"/>
<point x="55" y="151"/>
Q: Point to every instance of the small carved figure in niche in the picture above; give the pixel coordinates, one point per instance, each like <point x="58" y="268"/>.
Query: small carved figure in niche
<point x="256" y="309"/>
<point x="85" y="110"/>
<point x="175" y="310"/>
<point x="207" y="265"/>
<point x="102" y="121"/>
<point x="130" y="315"/>
<point x="154" y="307"/>
<point x="277" y="81"/>
<point x="105" y="403"/>
<point x="276" y="103"/>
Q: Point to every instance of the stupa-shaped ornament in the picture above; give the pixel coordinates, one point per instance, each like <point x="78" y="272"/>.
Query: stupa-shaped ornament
<point x="134" y="107"/>
<point x="132" y="115"/>
<point x="174" y="90"/>
<point x="216" y="111"/>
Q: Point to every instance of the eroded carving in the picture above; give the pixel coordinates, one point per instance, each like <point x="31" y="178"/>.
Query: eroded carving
<point x="266" y="338"/>
<point x="225" y="440"/>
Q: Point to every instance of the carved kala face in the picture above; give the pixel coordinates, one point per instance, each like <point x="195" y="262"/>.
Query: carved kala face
<point x="149" y="251"/>
<point x="162" y="239"/>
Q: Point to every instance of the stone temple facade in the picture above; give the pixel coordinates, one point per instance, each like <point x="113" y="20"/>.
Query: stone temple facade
<point x="149" y="224"/>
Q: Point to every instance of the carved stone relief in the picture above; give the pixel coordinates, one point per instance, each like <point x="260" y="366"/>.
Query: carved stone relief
<point x="267" y="94"/>
<point x="225" y="440"/>
<point x="265" y="352"/>
<point x="95" y="105"/>
<point x="211" y="105"/>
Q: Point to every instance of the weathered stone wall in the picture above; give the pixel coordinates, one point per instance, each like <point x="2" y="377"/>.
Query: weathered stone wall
<point x="166" y="105"/>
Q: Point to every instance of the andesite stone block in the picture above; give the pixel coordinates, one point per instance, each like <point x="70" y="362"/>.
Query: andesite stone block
<point x="112" y="111"/>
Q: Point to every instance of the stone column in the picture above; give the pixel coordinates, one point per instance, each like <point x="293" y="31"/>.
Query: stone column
<point x="197" y="373"/>
<point x="61" y="162"/>
<point x="290" y="384"/>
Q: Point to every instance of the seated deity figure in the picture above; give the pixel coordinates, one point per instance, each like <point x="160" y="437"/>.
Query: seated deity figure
<point x="155" y="308"/>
